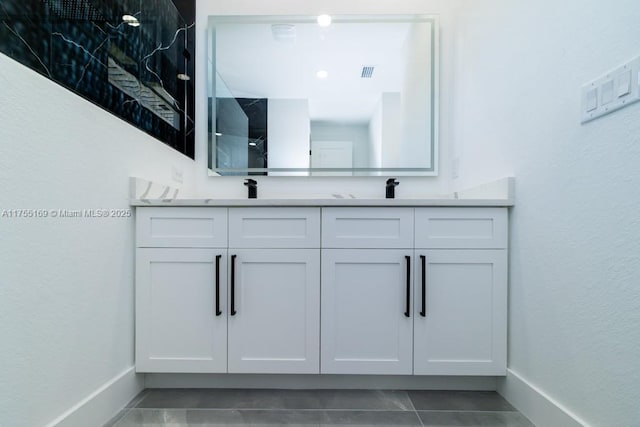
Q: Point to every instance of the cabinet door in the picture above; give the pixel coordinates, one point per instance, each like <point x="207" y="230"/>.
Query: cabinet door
<point x="274" y="311"/>
<point x="181" y="314"/>
<point x="462" y="327"/>
<point x="367" y="324"/>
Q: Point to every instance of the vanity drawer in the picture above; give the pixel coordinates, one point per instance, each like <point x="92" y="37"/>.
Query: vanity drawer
<point x="182" y="227"/>
<point x="461" y="228"/>
<point x="367" y="228"/>
<point x="274" y="228"/>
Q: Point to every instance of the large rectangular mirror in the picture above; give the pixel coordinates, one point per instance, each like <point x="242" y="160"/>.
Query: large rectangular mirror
<point x="306" y="95"/>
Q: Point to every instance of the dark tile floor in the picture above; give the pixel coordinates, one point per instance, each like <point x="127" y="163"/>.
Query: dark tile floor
<point x="320" y="408"/>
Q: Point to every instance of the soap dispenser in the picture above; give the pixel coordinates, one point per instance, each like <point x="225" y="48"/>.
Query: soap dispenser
<point x="391" y="188"/>
<point x="252" y="186"/>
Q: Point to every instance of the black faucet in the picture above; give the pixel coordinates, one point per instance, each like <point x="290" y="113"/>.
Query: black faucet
<point x="252" y="186"/>
<point x="391" y="188"/>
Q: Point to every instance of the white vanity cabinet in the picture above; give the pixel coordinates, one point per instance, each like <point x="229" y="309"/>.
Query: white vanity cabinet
<point x="205" y="306"/>
<point x="274" y="314"/>
<point x="433" y="305"/>
<point x="460" y="311"/>
<point x="367" y="325"/>
<point x="181" y="276"/>
<point x="393" y="290"/>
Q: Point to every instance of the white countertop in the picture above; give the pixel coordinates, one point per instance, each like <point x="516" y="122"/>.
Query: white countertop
<point x="498" y="193"/>
<point x="321" y="202"/>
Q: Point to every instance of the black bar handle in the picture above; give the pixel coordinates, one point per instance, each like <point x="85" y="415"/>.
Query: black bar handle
<point x="218" y="312"/>
<point x="408" y="259"/>
<point x="423" y="259"/>
<point x="233" y="285"/>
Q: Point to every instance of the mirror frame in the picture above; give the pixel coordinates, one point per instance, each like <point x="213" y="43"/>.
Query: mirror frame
<point x="433" y="170"/>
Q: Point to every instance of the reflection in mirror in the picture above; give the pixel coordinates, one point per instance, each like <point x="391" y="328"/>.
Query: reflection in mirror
<point x="288" y="96"/>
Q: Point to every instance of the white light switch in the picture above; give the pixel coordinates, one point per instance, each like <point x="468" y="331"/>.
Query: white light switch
<point x="607" y="92"/>
<point x="592" y="99"/>
<point x="612" y="91"/>
<point x="624" y="84"/>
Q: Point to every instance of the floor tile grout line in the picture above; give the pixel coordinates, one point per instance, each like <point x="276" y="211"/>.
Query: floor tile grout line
<point x="415" y="411"/>
<point x="410" y="400"/>
<point x="420" y="420"/>
<point x="276" y="409"/>
<point x="322" y="409"/>
<point x="467" y="411"/>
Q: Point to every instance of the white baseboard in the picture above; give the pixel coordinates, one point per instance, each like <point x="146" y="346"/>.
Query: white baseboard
<point x="104" y="403"/>
<point x="534" y="404"/>
<point x="380" y="382"/>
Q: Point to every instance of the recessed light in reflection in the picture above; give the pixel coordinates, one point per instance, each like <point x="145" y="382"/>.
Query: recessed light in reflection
<point x="322" y="74"/>
<point x="324" y="20"/>
<point x="184" y="77"/>
<point x="253" y="144"/>
<point x="130" y="20"/>
<point x="218" y="134"/>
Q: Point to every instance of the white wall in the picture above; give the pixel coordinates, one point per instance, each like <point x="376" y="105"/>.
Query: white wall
<point x="361" y="186"/>
<point x="288" y="128"/>
<point x="66" y="284"/>
<point x="574" y="326"/>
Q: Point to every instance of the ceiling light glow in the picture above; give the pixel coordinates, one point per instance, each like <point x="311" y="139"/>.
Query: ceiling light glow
<point x="130" y="20"/>
<point x="324" y="20"/>
<point x="322" y="74"/>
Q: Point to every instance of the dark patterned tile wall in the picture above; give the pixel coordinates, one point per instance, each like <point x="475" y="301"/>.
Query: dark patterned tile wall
<point x="128" y="56"/>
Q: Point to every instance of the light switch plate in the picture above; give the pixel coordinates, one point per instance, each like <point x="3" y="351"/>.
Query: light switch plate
<point x="607" y="92"/>
<point x="612" y="91"/>
<point x="592" y="99"/>
<point x="624" y="84"/>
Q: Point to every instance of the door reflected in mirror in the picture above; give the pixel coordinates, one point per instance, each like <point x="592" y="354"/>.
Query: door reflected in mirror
<point x="288" y="96"/>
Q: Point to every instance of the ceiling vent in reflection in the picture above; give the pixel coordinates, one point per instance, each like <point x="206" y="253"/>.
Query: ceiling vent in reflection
<point x="367" y="71"/>
<point x="284" y="33"/>
<point x="74" y="10"/>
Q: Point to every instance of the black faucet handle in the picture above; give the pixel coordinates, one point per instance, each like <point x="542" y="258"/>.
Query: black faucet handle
<point x="391" y="188"/>
<point x="252" y="187"/>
